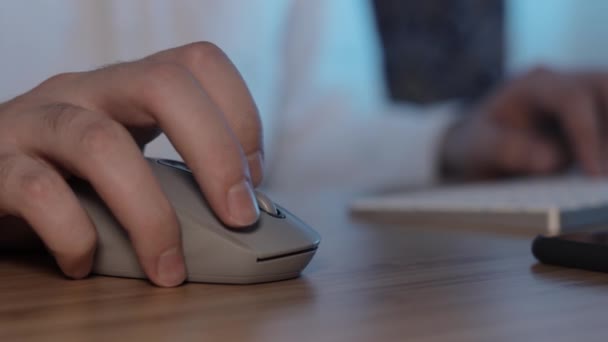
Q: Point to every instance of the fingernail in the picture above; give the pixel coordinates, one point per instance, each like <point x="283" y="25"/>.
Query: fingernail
<point x="256" y="166"/>
<point x="242" y="205"/>
<point x="170" y="268"/>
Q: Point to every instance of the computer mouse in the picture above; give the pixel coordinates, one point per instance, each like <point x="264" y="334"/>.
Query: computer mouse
<point x="277" y="247"/>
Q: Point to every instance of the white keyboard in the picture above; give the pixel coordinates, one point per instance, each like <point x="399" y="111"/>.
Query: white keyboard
<point x="547" y="205"/>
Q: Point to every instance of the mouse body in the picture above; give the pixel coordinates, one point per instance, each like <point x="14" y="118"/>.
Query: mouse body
<point x="277" y="247"/>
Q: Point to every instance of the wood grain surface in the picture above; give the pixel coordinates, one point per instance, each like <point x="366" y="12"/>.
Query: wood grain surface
<point x="369" y="282"/>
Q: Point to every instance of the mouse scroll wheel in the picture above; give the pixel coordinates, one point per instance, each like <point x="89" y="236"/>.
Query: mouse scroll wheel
<point x="267" y="205"/>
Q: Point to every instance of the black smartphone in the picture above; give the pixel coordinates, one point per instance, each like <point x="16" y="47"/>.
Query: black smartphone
<point x="585" y="250"/>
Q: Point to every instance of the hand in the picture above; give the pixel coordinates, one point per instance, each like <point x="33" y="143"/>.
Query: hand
<point x="535" y="124"/>
<point x="89" y="124"/>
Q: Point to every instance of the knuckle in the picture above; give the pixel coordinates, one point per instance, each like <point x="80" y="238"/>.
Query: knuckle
<point x="54" y="80"/>
<point x="203" y="52"/>
<point x="60" y="115"/>
<point x="539" y="72"/>
<point x="100" y="135"/>
<point x="36" y="184"/>
<point x="159" y="75"/>
<point x="61" y="77"/>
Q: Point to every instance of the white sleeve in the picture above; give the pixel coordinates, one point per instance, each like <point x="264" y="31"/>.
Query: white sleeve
<point x="337" y="126"/>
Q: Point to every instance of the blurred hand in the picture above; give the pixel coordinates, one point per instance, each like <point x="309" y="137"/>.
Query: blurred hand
<point x="91" y="125"/>
<point x="535" y="124"/>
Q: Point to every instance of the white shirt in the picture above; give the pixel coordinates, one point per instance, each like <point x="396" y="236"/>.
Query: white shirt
<point x="313" y="66"/>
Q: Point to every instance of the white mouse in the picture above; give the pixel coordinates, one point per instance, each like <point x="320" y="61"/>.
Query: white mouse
<point x="278" y="247"/>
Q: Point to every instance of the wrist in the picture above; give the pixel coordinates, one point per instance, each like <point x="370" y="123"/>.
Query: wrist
<point x="453" y="163"/>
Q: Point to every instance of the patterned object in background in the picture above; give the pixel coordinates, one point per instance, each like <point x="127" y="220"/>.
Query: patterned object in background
<point x="441" y="49"/>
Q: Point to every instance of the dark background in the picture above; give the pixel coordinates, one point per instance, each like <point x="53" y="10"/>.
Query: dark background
<point x="437" y="50"/>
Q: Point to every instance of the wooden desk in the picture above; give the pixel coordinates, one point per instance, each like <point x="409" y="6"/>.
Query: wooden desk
<point x="368" y="282"/>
